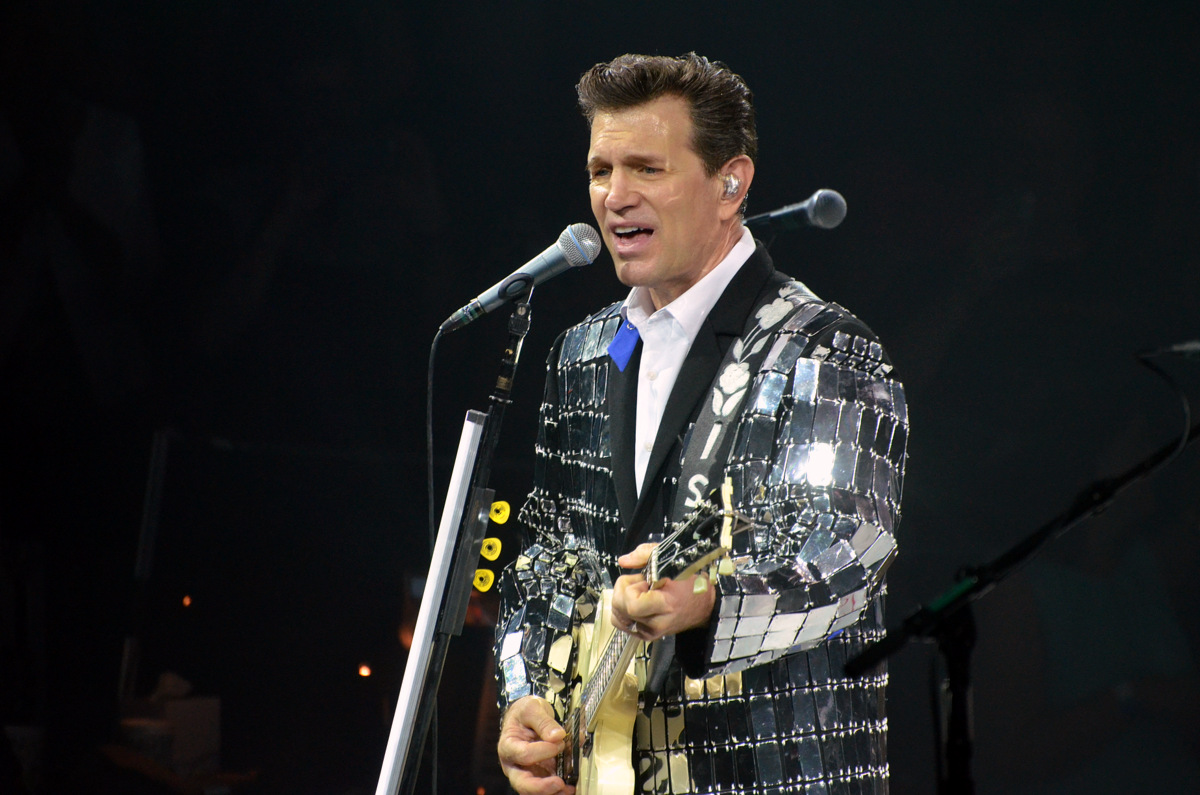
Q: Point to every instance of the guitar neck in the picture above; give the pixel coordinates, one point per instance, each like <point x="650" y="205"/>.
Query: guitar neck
<point x="619" y="650"/>
<point x="614" y="661"/>
<point x="595" y="733"/>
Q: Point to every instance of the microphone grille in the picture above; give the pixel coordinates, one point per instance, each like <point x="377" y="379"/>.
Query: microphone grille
<point x="580" y="244"/>
<point x="829" y="209"/>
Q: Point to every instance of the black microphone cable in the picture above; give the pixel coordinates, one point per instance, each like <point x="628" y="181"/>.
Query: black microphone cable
<point x="1146" y="359"/>
<point x="430" y="497"/>
<point x="578" y="245"/>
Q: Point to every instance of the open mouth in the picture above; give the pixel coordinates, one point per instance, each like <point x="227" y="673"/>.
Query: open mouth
<point x="631" y="233"/>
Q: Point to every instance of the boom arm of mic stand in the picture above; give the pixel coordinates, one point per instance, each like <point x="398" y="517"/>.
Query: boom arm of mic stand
<point x="978" y="581"/>
<point x="948" y="618"/>
<point x="448" y="588"/>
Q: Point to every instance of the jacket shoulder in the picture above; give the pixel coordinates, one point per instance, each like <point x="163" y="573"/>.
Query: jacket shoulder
<point x="587" y="340"/>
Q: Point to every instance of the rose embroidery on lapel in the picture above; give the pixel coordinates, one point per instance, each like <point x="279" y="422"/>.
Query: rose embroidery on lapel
<point x="731" y="386"/>
<point x="734" y="379"/>
<point x="772" y="313"/>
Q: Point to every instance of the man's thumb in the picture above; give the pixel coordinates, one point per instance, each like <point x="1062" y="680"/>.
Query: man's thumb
<point x="547" y="727"/>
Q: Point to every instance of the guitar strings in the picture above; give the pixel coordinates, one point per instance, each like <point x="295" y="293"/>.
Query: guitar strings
<point x="618" y="642"/>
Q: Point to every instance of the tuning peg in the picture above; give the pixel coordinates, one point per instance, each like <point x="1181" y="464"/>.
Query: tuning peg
<point x="499" y="512"/>
<point x="483" y="580"/>
<point x="491" y="548"/>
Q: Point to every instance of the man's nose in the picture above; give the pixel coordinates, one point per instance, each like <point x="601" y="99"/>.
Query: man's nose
<point x="622" y="192"/>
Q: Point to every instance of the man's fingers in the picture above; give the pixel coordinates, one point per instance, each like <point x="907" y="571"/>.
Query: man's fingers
<point x="627" y="590"/>
<point x="637" y="558"/>
<point x="547" y="727"/>
<point x="530" y="764"/>
<point x="530" y="739"/>
<point x="529" y="783"/>
<point x="639" y="602"/>
<point x="529" y="734"/>
<point x="675" y="606"/>
<point x="537" y="715"/>
<point x="524" y="753"/>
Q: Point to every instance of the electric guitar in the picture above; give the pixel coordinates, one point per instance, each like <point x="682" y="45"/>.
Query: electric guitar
<point x="598" y="757"/>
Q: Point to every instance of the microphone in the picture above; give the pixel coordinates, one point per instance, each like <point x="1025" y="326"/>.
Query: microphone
<point x="1188" y="350"/>
<point x="825" y="209"/>
<point x="578" y="245"/>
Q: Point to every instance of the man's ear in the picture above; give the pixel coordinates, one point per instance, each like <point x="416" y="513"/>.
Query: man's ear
<point x="736" y="176"/>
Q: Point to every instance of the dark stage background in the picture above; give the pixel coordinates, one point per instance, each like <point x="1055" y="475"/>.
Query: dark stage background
<point x="239" y="224"/>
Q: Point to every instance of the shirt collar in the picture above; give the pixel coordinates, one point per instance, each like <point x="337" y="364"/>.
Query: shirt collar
<point x="692" y="307"/>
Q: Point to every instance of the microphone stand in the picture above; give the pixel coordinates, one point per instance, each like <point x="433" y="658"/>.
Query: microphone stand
<point x="448" y="586"/>
<point x="948" y="619"/>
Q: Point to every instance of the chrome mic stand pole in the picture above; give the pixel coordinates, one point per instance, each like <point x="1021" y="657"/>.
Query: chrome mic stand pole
<point x="448" y="586"/>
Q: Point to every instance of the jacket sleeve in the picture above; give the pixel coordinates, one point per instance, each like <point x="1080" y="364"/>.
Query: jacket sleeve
<point x="553" y="584"/>
<point x="818" y="463"/>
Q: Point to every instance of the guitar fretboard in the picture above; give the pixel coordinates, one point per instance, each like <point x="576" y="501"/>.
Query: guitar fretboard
<point x="670" y="559"/>
<point x="613" y="661"/>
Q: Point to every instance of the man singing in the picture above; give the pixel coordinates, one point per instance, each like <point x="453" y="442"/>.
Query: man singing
<point x="714" y="366"/>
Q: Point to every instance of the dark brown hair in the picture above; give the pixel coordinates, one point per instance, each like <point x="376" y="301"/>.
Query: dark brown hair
<point x="721" y="103"/>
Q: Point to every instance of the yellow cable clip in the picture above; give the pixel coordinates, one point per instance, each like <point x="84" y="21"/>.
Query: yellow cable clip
<point x="484" y="579"/>
<point x="499" y="512"/>
<point x="490" y="548"/>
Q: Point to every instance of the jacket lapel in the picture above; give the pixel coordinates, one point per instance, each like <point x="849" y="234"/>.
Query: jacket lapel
<point x="621" y="397"/>
<point x="723" y="325"/>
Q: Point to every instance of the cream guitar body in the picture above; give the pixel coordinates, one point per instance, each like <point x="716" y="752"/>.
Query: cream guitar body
<point x="598" y="758"/>
<point x="606" y="751"/>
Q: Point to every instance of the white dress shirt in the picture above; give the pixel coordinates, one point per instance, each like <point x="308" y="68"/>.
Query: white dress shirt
<point x="667" y="336"/>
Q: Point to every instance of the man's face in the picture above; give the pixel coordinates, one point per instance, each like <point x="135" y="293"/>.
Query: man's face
<point x="658" y="210"/>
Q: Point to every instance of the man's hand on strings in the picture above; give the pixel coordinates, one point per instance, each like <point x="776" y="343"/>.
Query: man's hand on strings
<point x="530" y="741"/>
<point x="665" y="608"/>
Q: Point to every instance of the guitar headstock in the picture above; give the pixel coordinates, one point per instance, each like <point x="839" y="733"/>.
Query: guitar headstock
<point x="703" y="536"/>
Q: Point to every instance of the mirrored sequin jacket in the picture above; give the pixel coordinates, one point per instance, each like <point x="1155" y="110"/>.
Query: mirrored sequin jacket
<point x="796" y="406"/>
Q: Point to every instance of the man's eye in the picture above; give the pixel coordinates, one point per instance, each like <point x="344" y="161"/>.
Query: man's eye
<point x="599" y="173"/>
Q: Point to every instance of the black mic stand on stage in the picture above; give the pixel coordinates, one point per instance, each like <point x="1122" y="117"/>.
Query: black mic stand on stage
<point x="451" y="572"/>
<point x="948" y="619"/>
